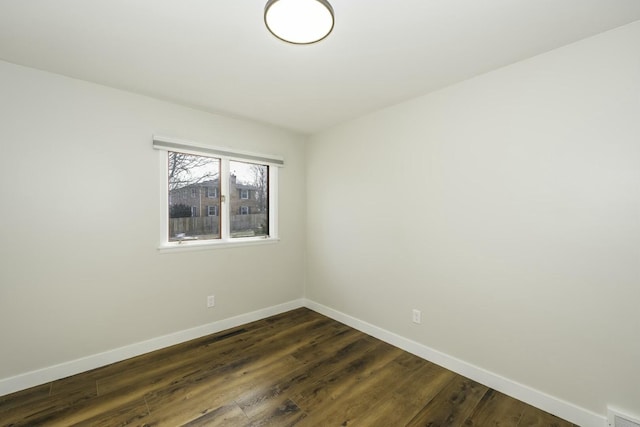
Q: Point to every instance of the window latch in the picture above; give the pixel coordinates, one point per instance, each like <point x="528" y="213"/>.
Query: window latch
<point x="222" y="198"/>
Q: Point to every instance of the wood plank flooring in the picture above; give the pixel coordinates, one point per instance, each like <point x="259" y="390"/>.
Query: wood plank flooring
<point x="294" y="369"/>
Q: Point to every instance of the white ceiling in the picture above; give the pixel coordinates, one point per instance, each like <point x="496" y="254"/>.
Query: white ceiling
<point x="216" y="55"/>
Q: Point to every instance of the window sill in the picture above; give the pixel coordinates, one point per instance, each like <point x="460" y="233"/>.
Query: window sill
<point x="217" y="244"/>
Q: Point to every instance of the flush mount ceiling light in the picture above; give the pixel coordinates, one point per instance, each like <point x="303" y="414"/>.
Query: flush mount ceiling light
<point x="299" y="21"/>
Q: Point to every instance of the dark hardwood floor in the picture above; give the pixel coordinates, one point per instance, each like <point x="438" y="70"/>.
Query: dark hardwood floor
<point x="295" y="369"/>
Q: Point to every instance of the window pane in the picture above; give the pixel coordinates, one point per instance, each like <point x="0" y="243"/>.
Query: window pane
<point x="194" y="188"/>
<point x="249" y="191"/>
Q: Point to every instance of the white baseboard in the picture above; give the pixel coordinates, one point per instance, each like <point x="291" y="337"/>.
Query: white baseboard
<point x="563" y="409"/>
<point x="553" y="405"/>
<point x="56" y="372"/>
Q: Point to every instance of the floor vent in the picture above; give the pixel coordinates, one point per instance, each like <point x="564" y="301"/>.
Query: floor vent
<point x="618" y="419"/>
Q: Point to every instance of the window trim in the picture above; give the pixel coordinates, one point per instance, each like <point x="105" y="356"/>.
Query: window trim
<point x="164" y="145"/>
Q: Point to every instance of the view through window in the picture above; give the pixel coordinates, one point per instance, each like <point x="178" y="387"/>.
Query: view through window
<point x="249" y="204"/>
<point x="204" y="204"/>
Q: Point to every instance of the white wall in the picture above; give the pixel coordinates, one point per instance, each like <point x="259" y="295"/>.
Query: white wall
<point x="80" y="272"/>
<point x="507" y="209"/>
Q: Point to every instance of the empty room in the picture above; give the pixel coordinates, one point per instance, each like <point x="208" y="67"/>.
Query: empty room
<point x="320" y="213"/>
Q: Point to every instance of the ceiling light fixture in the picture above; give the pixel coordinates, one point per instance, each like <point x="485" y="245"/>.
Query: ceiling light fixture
<point x="299" y="21"/>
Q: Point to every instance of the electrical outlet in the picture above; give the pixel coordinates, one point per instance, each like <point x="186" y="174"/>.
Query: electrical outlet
<point x="211" y="301"/>
<point x="416" y="316"/>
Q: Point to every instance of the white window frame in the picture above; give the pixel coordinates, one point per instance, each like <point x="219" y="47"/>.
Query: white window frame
<point x="210" y="208"/>
<point x="165" y="144"/>
<point x="244" y="192"/>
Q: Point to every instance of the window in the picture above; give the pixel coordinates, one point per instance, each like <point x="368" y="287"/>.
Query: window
<point x="243" y="188"/>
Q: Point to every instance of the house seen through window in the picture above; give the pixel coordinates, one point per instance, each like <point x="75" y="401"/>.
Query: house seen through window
<point x="226" y="199"/>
